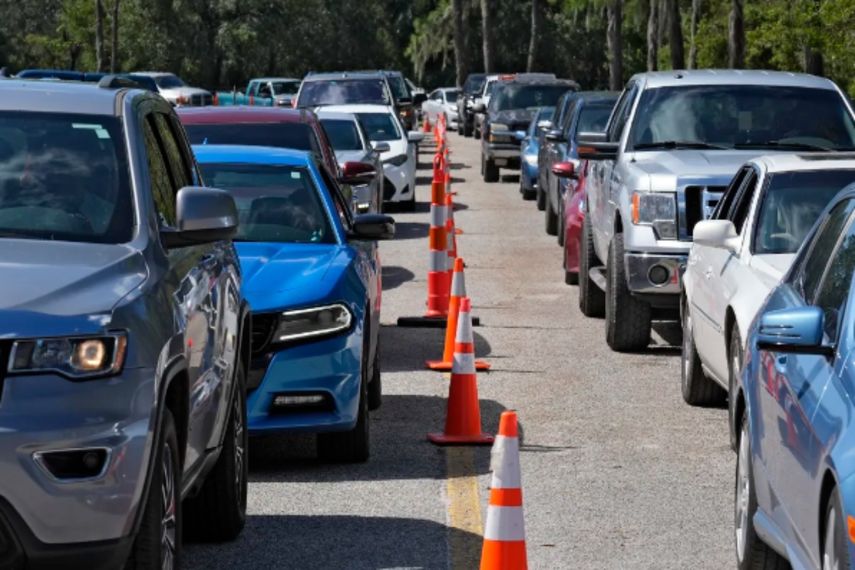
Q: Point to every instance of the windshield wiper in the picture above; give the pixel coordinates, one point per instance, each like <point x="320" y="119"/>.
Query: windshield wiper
<point x="783" y="144"/>
<point x="678" y="145"/>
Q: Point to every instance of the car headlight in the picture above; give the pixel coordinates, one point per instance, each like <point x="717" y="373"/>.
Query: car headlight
<point x="658" y="210"/>
<point x="74" y="357"/>
<point x="530" y="159"/>
<point x="313" y="322"/>
<point x="397" y="160"/>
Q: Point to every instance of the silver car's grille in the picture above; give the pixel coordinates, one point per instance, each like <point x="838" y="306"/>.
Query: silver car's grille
<point x="696" y="203"/>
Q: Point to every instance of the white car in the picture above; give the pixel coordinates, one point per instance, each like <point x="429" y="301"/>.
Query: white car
<point x="384" y="129"/>
<point x="442" y="101"/>
<point x="173" y="89"/>
<point x="741" y="254"/>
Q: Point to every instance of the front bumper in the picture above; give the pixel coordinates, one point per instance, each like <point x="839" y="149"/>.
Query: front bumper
<point x="329" y="366"/>
<point x="501" y="150"/>
<point x="640" y="265"/>
<point x="399" y="183"/>
<point x="528" y="175"/>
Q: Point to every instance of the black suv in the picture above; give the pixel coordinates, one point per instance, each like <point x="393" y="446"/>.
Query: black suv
<point x="466" y="115"/>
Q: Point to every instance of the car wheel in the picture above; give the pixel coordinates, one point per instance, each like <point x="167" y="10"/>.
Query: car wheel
<point x="697" y="388"/>
<point x="218" y="512"/>
<point x="350" y="446"/>
<point x="527" y="194"/>
<point x="560" y="235"/>
<point x="476" y="132"/>
<point x="157" y="545"/>
<point x="491" y="171"/>
<point x="541" y="198"/>
<point x="375" y="387"/>
<point x="592" y="299"/>
<point x="467" y="129"/>
<point x="835" y="552"/>
<point x="751" y="552"/>
<point x="550" y="219"/>
<point x="627" y="318"/>
<point x="571" y="278"/>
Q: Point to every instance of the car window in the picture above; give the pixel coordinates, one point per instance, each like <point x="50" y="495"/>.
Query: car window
<point x="451" y="96"/>
<point x="722" y="209"/>
<point x="380" y="126"/>
<point x="344" y="92"/>
<point x="285" y="87"/>
<point x="184" y="146"/>
<point x="342" y="133"/>
<point x="836" y="283"/>
<point x="621" y="113"/>
<point x="178" y="167"/>
<point x="162" y="189"/>
<point x="811" y="268"/>
<point x="436" y="96"/>
<point x="297" y="136"/>
<point x="338" y="199"/>
<point x="739" y="210"/>
<point x="569" y="112"/>
<point x="169" y="81"/>
<point x="525" y="96"/>
<point x="265" y="91"/>
<point x="64" y="177"/>
<point x="592" y="118"/>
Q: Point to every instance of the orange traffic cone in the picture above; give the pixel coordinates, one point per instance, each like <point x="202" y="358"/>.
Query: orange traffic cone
<point x="425" y="125"/>
<point x="463" y="418"/>
<point x="458" y="291"/>
<point x="504" y="533"/>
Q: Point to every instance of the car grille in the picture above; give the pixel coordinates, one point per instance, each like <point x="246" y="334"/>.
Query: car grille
<point x="263" y="328"/>
<point x="699" y="203"/>
<point x="200" y="100"/>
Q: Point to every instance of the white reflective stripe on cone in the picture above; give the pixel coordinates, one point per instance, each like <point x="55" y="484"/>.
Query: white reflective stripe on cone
<point x="504" y="523"/>
<point x="505" y="463"/>
<point x="437" y="216"/>
<point x="438" y="261"/>
<point x="464" y="327"/>
<point x="464" y="363"/>
<point x="458" y="285"/>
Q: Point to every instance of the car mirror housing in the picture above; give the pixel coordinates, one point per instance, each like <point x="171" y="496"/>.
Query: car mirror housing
<point x="795" y="329"/>
<point x="720" y="234"/>
<point x="564" y="170"/>
<point x="372" y="227"/>
<point x="356" y="173"/>
<point x="553" y="135"/>
<point x="415" y="136"/>
<point x="381" y="147"/>
<point x="594" y="146"/>
<point x="419" y="98"/>
<point x="203" y="215"/>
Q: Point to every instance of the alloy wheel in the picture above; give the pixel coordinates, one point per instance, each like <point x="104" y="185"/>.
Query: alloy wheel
<point x="168" y="524"/>
<point x="743" y="494"/>
<point x="240" y="452"/>
<point x="829" y="555"/>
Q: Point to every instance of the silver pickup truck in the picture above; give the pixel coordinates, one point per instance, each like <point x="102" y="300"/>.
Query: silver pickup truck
<point x="672" y="144"/>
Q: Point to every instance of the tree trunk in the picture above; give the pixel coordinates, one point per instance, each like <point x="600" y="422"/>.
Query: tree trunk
<point x="814" y="62"/>
<point x="100" y="63"/>
<point x="488" y="8"/>
<point x="459" y="42"/>
<point x="536" y="26"/>
<point x="736" y="36"/>
<point x="693" y="31"/>
<point x="652" y="36"/>
<point x="114" y="39"/>
<point x="675" y="35"/>
<point x="615" y="44"/>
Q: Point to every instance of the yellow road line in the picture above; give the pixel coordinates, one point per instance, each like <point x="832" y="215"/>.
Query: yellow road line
<point x="464" y="509"/>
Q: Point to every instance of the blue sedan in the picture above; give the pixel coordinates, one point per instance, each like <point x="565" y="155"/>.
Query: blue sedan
<point x="529" y="149"/>
<point x="311" y="274"/>
<point x="794" y="409"/>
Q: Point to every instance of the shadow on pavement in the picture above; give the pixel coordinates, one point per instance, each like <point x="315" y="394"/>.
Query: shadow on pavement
<point x="413" y="346"/>
<point x="512" y="178"/>
<point x="395" y="276"/>
<point x="411" y="230"/>
<point x="458" y="166"/>
<point x="338" y="541"/>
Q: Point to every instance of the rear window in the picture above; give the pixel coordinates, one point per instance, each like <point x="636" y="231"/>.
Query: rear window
<point x="297" y="136"/>
<point x="474" y="84"/>
<point x="507" y="97"/>
<point x="343" y="92"/>
<point x="451" y="96"/>
<point x="343" y="134"/>
<point x="64" y="177"/>
<point x="399" y="88"/>
<point x="593" y="118"/>
<point x="285" y="87"/>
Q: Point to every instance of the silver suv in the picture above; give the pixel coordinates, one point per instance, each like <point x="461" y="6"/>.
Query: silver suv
<point x="123" y="335"/>
<point x="672" y="144"/>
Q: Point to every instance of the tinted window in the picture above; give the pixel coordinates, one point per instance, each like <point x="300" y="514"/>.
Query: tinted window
<point x="739" y="211"/>
<point x="622" y="111"/>
<point x="791" y="204"/>
<point x="399" y="87"/>
<point x="168" y="82"/>
<point x="285" y="87"/>
<point x="64" y="177"/>
<point x="275" y="203"/>
<point x="812" y="268"/>
<point x="178" y="168"/>
<point x="379" y="126"/>
<point x="342" y="133"/>
<point x="743" y="115"/>
<point x="474" y="83"/>
<point x="343" y="92"/>
<point x="526" y="96"/>
<point x="593" y="118"/>
<point x="722" y="209"/>
<point x="162" y="190"/>
<point x="451" y="96"/>
<point x="297" y="136"/>
<point x="836" y="284"/>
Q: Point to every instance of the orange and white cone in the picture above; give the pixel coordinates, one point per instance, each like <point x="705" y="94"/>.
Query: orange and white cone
<point x="438" y="278"/>
<point x="504" y="533"/>
<point x="463" y="418"/>
<point x="426" y="125"/>
<point x="458" y="291"/>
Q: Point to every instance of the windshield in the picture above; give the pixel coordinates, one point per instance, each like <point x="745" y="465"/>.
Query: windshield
<point x="297" y="136"/>
<point x="526" y="96"/>
<point x="168" y="81"/>
<point x="791" y="205"/>
<point x="343" y="134"/>
<point x="399" y="87"/>
<point x="64" y="177"/>
<point x="285" y="87"/>
<point x="474" y="83"/>
<point x="743" y="116"/>
<point x="451" y="96"/>
<point x="379" y="126"/>
<point x="594" y="117"/>
<point x="275" y="203"/>
<point x="343" y="92"/>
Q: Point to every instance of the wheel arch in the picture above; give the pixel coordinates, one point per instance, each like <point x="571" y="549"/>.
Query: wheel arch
<point x="829" y="484"/>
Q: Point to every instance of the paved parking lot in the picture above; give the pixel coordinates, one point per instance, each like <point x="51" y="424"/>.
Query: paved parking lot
<point x="617" y="471"/>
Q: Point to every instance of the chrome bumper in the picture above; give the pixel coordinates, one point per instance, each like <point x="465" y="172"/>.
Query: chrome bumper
<point x="640" y="265"/>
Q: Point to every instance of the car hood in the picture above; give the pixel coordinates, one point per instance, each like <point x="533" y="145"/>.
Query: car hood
<point x="343" y="156"/>
<point x="771" y="267"/>
<point x="667" y="170"/>
<point x="280" y="275"/>
<point x="49" y="283"/>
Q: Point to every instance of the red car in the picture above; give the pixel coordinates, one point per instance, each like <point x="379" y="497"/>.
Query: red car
<point x="574" y="213"/>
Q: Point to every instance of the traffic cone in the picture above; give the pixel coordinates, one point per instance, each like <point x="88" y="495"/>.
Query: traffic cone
<point x="425" y="125"/>
<point x="463" y="417"/>
<point x="504" y="533"/>
<point x="216" y="99"/>
<point x="458" y="291"/>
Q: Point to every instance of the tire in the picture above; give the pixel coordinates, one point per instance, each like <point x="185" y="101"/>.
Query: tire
<point x="550" y="219"/>
<point x="476" y="132"/>
<point x="350" y="446"/>
<point x="560" y="228"/>
<point x="592" y="299"/>
<point x="697" y="388"/>
<point x="375" y="386"/>
<point x="835" y="553"/>
<point x="491" y="171"/>
<point x="571" y="278"/>
<point x="460" y="122"/>
<point x="541" y="198"/>
<point x="627" y="318"/>
<point x="149" y="551"/>
<point x="218" y="512"/>
<point x="526" y="193"/>
<point x="751" y="552"/>
<point x="467" y="128"/>
<point x="734" y="364"/>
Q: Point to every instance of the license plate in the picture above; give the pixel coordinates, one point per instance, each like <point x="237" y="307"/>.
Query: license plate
<point x="501" y="161"/>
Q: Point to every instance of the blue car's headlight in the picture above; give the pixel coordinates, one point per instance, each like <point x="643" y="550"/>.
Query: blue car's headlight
<point x="314" y="322"/>
<point x="530" y="159"/>
<point x="75" y="357"/>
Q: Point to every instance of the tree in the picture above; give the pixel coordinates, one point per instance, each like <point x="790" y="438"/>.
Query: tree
<point x="487" y="30"/>
<point x="693" y="33"/>
<point x="100" y="62"/>
<point x="614" y="40"/>
<point x="536" y="26"/>
<point x="460" y="59"/>
<point x="675" y="35"/>
<point x="736" y="36"/>
<point x="653" y="36"/>
<point x="114" y="38"/>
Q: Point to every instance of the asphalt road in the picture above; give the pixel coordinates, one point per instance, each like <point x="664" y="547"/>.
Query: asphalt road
<point x="617" y="471"/>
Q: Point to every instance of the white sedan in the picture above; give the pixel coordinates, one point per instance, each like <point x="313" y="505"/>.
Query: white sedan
<point x="740" y="254"/>
<point x="397" y="149"/>
<point x="442" y="101"/>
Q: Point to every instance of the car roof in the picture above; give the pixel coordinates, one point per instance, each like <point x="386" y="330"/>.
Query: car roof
<point x="59" y="97"/>
<point x="796" y="162"/>
<point x="358" y="108"/>
<point x="326" y="113"/>
<point x="333" y="75"/>
<point x="539" y="80"/>
<point x="245" y="154"/>
<point x="276" y="79"/>
<point x="242" y="114"/>
<point x="655" y="79"/>
<point x="155" y="73"/>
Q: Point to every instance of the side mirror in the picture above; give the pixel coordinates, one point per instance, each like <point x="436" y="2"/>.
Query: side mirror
<point x="520" y="135"/>
<point x="372" y="227"/>
<point x="419" y="98"/>
<point x="564" y="170"/>
<point x="415" y="136"/>
<point x="356" y="173"/>
<point x="594" y="146"/>
<point x="716" y="233"/>
<point x="553" y="135"/>
<point x="381" y="147"/>
<point x="203" y="215"/>
<point x="797" y="329"/>
<point x="545" y="124"/>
